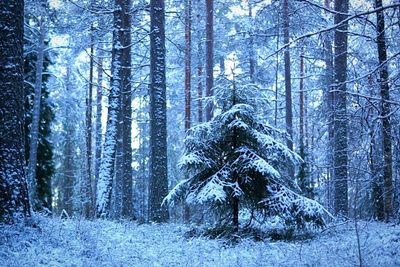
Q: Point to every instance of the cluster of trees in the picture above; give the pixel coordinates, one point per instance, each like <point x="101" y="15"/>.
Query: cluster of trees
<point x="100" y="144"/>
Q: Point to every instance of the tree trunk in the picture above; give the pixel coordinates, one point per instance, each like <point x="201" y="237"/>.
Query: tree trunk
<point x="34" y="139"/>
<point x="104" y="184"/>
<point x="209" y="58"/>
<point x="288" y="83"/>
<point x="116" y="195"/>
<point x="329" y="107"/>
<point x="377" y="194"/>
<point x="235" y="214"/>
<point x="127" y="183"/>
<point x="14" y="200"/>
<point x="385" y="113"/>
<point x="277" y="72"/>
<point x="68" y="179"/>
<point x="199" y="87"/>
<point x="158" y="186"/>
<point x="87" y="188"/>
<point x="252" y="62"/>
<point x="188" y="74"/>
<point x="340" y="115"/>
<point x="99" y="131"/>
<point x="304" y="183"/>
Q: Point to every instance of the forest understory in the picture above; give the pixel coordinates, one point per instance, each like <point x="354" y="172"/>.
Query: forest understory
<point x="74" y="242"/>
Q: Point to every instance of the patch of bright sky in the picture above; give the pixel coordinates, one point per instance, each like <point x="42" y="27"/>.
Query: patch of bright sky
<point x="243" y="8"/>
<point x="362" y="4"/>
<point x="55" y="3"/>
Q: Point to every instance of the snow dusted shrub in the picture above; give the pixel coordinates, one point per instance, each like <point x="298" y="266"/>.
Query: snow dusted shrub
<point x="237" y="161"/>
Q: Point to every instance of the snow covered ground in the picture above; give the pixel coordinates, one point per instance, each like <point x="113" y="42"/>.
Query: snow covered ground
<point x="98" y="243"/>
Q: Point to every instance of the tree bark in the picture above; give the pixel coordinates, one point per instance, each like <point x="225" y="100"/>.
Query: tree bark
<point x="385" y="113"/>
<point x="68" y="179"/>
<point x="104" y="184"/>
<point x="158" y="186"/>
<point x="99" y="131"/>
<point x="305" y="182"/>
<point x="277" y="71"/>
<point x="288" y="82"/>
<point x="340" y="115"/>
<point x="34" y="139"/>
<point x="209" y="58"/>
<point x="87" y="192"/>
<point x="14" y="200"/>
<point x="127" y="202"/>
<point x="329" y="107"/>
<point x="199" y="88"/>
<point x="252" y="62"/>
<point x="188" y="74"/>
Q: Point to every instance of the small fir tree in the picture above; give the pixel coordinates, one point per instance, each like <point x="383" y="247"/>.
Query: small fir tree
<point x="235" y="161"/>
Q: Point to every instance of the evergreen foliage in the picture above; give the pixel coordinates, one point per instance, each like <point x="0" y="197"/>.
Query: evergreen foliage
<point x="237" y="156"/>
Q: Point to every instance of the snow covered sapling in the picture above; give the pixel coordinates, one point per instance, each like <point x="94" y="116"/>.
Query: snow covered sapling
<point x="235" y="161"/>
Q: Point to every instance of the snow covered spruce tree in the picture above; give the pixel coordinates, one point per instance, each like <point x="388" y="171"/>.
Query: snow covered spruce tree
<point x="236" y="162"/>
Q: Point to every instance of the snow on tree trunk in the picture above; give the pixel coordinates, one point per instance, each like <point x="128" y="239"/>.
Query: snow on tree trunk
<point x="99" y="131"/>
<point x="385" y="113"/>
<point x="106" y="173"/>
<point x="34" y="139"/>
<point x="340" y="115"/>
<point x="14" y="200"/>
<point x="158" y="184"/>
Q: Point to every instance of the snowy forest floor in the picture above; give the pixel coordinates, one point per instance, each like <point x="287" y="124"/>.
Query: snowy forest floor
<point x="72" y="242"/>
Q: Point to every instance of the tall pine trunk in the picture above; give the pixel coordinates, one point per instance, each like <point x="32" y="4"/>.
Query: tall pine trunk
<point x="127" y="202"/>
<point x="288" y="82"/>
<point x="99" y="131"/>
<point x="188" y="74"/>
<point x="209" y="58"/>
<point x="14" y="200"/>
<point x="252" y="61"/>
<point x="104" y="184"/>
<point x="158" y="185"/>
<point x="340" y="115"/>
<point x="329" y="108"/>
<point x="69" y="174"/>
<point x="34" y="139"/>
<point x="87" y="183"/>
<point x="199" y="86"/>
<point x="385" y="113"/>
